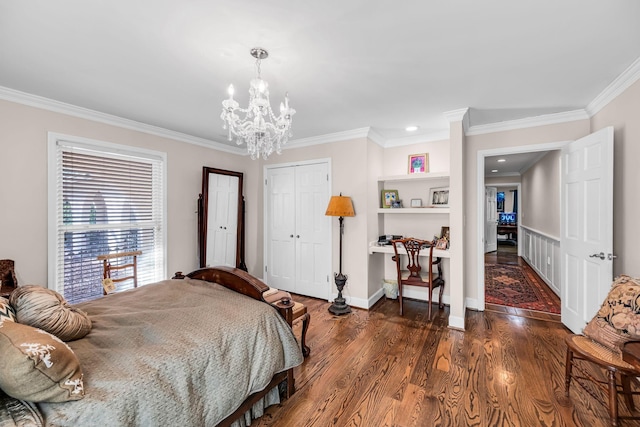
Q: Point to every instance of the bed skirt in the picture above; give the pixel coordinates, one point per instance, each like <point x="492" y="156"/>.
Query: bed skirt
<point x="257" y="410"/>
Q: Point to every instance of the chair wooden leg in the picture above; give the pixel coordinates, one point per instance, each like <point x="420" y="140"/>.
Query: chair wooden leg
<point x="626" y="387"/>
<point x="400" y="297"/>
<point x="303" y="340"/>
<point x="430" y="301"/>
<point x="568" y="367"/>
<point x="613" y="398"/>
<point x="440" y="302"/>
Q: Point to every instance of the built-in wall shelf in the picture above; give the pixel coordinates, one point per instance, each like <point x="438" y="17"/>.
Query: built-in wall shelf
<point x="414" y="177"/>
<point x="413" y="211"/>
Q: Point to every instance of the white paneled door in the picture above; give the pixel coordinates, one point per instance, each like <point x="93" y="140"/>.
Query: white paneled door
<point x="298" y="234"/>
<point x="490" y="219"/>
<point x="222" y="222"/>
<point x="586" y="241"/>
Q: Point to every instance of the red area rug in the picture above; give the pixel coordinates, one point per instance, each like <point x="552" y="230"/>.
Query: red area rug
<point x="516" y="286"/>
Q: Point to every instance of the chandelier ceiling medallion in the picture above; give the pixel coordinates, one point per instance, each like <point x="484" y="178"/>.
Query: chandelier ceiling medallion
<point x="260" y="128"/>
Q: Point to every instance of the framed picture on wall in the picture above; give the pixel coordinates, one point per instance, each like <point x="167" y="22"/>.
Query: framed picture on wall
<point x="439" y="197"/>
<point x="418" y="163"/>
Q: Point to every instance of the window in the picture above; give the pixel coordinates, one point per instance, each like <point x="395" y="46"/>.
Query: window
<point x="103" y="198"/>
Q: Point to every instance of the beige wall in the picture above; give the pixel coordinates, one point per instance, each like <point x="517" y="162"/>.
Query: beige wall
<point x="541" y="195"/>
<point x="23" y="194"/>
<point x="622" y="113"/>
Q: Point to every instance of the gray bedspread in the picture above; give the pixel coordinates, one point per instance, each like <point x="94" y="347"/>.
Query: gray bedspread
<point x="175" y="353"/>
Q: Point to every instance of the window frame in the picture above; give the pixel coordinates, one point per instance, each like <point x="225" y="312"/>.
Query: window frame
<point x="53" y="141"/>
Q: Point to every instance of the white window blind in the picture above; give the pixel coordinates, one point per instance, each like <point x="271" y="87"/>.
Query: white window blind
<point x="106" y="202"/>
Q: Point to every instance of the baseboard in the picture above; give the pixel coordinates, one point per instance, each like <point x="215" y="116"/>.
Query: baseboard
<point x="456" y="322"/>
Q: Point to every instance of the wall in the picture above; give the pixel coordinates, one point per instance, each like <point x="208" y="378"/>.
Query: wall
<point x="541" y="195"/>
<point x="622" y="114"/>
<point x="23" y="210"/>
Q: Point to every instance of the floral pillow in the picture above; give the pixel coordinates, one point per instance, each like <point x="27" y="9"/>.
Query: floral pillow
<point x="618" y="320"/>
<point x="37" y="366"/>
<point x="6" y="311"/>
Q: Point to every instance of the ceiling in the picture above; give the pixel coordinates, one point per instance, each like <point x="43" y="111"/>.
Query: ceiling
<point x="511" y="164"/>
<point x="346" y="65"/>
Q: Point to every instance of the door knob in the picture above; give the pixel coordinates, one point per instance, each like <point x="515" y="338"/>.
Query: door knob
<point x="297" y="236"/>
<point x="600" y="255"/>
<point x="611" y="257"/>
<point x="290" y="235"/>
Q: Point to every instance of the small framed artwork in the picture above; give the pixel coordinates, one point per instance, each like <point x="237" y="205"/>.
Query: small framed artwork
<point x="444" y="232"/>
<point x="418" y="163"/>
<point x="439" y="197"/>
<point x="416" y="203"/>
<point x="442" y="244"/>
<point x="388" y="197"/>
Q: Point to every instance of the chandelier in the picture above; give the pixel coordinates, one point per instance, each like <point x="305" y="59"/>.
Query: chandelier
<point x="260" y="128"/>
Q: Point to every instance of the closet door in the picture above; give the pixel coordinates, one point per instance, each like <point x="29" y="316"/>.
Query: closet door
<point x="297" y="233"/>
<point x="280" y="228"/>
<point x="312" y="230"/>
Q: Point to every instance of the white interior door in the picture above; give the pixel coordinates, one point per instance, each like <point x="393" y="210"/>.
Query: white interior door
<point x="281" y="229"/>
<point x="298" y="234"/>
<point x="222" y="222"/>
<point x="313" y="230"/>
<point x="490" y="219"/>
<point x="586" y="241"/>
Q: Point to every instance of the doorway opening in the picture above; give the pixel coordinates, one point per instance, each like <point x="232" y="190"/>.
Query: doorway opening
<point x="502" y="272"/>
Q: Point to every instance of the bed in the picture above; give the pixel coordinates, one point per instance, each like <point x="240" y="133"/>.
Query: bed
<point x="197" y="350"/>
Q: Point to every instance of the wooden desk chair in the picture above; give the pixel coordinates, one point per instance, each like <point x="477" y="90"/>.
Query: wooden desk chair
<point x="415" y="278"/>
<point x="582" y="348"/>
<point x="113" y="262"/>
<point x="8" y="280"/>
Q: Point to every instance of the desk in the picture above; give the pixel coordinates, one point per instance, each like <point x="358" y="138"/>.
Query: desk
<point x="510" y="230"/>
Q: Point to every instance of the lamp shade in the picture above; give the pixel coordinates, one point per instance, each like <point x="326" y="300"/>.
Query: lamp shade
<point x="340" y="206"/>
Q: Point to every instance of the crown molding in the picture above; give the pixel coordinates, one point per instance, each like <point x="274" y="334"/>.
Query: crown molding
<point x="543" y="120"/>
<point x="96" y="116"/>
<point x="535" y="160"/>
<point x="330" y="137"/>
<point x="377" y="138"/>
<point x="459" y="115"/>
<point x="440" y="135"/>
<point x="619" y="85"/>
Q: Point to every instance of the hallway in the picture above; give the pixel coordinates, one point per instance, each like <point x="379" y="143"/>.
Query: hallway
<point x="508" y="255"/>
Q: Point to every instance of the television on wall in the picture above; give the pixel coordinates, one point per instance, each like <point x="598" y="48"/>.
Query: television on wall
<point x="508" y="218"/>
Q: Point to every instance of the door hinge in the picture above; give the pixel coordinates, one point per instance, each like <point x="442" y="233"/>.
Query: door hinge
<point x="265" y="181"/>
<point x="327" y="177"/>
<point x="265" y="268"/>
<point x="327" y="278"/>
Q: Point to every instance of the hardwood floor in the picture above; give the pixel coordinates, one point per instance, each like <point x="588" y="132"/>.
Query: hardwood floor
<point x="376" y="368"/>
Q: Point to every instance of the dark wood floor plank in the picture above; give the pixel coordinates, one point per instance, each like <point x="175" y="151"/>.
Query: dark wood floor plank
<point x="376" y="368"/>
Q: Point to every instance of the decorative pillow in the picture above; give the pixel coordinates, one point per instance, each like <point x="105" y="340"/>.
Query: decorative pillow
<point x="48" y="310"/>
<point x="37" y="366"/>
<point x="18" y="413"/>
<point x="618" y="320"/>
<point x="6" y="312"/>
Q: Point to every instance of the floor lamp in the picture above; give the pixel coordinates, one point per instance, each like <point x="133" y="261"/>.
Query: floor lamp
<point x="340" y="206"/>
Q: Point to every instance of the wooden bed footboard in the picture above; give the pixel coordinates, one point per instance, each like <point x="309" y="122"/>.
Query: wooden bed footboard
<point x="242" y="282"/>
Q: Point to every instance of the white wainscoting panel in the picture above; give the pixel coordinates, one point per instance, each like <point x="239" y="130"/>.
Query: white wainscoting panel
<point x="542" y="253"/>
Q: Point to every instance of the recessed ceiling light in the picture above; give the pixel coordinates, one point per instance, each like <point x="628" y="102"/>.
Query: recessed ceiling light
<point x="494" y="170"/>
<point x="411" y="128"/>
<point x="502" y="160"/>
